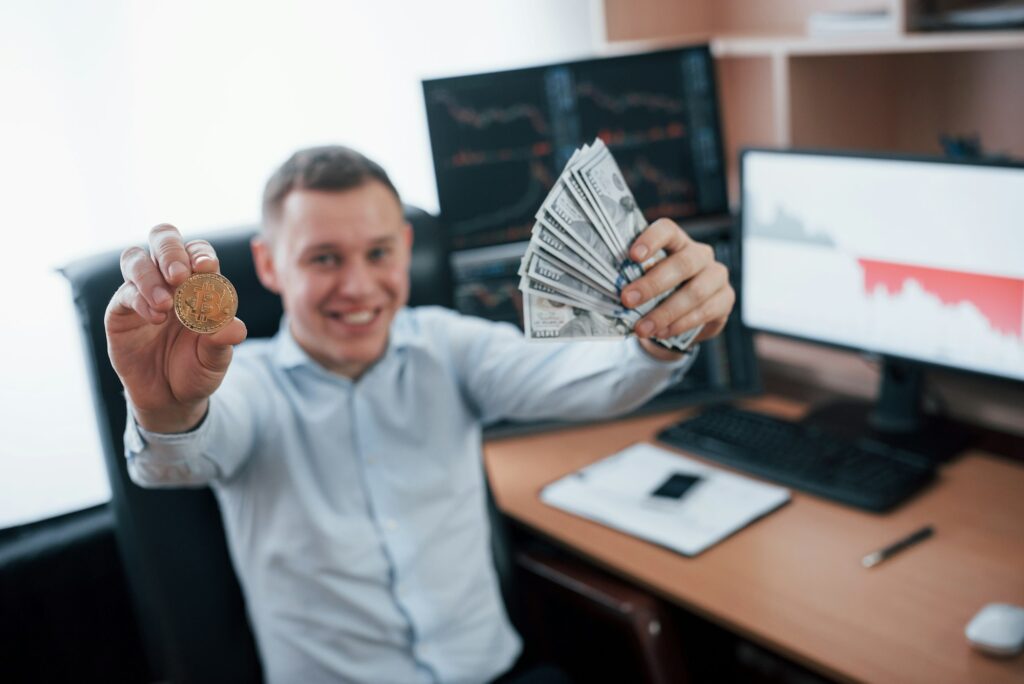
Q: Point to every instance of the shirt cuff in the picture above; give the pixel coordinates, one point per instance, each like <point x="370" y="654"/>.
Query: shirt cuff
<point x="167" y="460"/>
<point x="679" y="366"/>
<point x="137" y="438"/>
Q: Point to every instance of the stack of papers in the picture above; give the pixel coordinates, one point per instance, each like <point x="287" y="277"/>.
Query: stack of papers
<point x="618" y="491"/>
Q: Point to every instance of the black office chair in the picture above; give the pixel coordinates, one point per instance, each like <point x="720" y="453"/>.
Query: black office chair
<point x="172" y="543"/>
<point x="187" y="598"/>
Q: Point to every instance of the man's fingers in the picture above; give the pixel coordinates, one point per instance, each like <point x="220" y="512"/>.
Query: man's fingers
<point x="712" y="328"/>
<point x="683" y="309"/>
<point x="662" y="234"/>
<point x="231" y="334"/>
<point x="214" y="351"/>
<point x="139" y="270"/>
<point x="669" y="273"/>
<point x="202" y="257"/>
<point x="128" y="300"/>
<point x="711" y="313"/>
<point x="168" y="250"/>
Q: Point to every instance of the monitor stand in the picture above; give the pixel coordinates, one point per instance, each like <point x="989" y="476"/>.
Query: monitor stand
<point x="896" y="418"/>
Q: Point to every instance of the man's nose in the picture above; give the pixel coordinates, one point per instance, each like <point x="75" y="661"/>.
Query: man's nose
<point x="355" y="279"/>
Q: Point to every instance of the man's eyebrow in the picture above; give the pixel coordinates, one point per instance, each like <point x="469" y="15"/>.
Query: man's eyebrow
<point x="383" y="240"/>
<point x="319" y="246"/>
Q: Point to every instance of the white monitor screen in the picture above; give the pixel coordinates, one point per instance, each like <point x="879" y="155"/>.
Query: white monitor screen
<point x="922" y="260"/>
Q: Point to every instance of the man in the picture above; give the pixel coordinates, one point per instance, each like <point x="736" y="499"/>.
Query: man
<point x="345" y="453"/>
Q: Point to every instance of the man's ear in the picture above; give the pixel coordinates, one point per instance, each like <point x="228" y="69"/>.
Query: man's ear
<point x="408" y="236"/>
<point x="263" y="258"/>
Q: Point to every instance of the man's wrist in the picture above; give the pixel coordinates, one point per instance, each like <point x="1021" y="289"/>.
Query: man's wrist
<point x="171" y="420"/>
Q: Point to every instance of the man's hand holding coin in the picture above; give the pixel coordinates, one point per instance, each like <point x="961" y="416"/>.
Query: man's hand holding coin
<point x="170" y="329"/>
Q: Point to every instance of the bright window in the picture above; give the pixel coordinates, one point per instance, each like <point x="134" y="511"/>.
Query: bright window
<point x="120" y="115"/>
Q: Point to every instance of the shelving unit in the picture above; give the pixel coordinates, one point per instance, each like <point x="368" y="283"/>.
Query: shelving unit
<point x="897" y="90"/>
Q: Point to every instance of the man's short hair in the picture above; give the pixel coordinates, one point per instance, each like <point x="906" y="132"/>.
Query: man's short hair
<point x="331" y="167"/>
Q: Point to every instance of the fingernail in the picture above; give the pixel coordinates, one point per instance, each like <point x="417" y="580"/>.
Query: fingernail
<point x="177" y="270"/>
<point x="631" y="298"/>
<point x="640" y="251"/>
<point x="160" y="295"/>
<point x="645" y="327"/>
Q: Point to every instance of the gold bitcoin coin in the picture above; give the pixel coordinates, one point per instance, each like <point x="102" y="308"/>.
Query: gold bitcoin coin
<point x="206" y="302"/>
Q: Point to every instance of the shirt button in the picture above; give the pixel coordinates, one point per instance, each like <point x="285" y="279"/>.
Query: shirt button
<point x="390" y="524"/>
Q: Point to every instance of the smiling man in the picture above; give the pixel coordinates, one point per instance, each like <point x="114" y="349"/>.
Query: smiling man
<point x="341" y="288"/>
<point x="345" y="452"/>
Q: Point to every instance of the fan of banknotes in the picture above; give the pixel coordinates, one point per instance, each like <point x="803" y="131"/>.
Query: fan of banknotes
<point x="578" y="260"/>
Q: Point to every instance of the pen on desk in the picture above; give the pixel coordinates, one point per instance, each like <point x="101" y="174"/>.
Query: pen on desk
<point x="873" y="559"/>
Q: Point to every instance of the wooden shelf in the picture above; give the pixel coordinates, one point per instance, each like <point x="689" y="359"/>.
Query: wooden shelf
<point x="767" y="46"/>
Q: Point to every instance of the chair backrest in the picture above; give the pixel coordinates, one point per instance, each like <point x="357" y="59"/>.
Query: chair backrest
<point x="187" y="597"/>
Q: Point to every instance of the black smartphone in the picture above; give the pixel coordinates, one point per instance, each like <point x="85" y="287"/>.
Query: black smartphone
<point x="675" y="486"/>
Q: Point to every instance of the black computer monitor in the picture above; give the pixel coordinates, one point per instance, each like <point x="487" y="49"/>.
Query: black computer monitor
<point x="500" y="140"/>
<point x="919" y="261"/>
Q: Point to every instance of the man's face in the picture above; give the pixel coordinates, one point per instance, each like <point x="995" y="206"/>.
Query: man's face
<point x="340" y="261"/>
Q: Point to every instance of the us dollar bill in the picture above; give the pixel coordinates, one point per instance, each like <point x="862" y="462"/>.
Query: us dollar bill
<point x="554" y="244"/>
<point x="562" y="209"/>
<point x="548" y="319"/>
<point x="578" y="262"/>
<point x="544" y="270"/>
<point x="613" y="201"/>
<point x="529" y="286"/>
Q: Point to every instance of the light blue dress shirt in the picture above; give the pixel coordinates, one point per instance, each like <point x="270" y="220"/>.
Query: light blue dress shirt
<point x="356" y="511"/>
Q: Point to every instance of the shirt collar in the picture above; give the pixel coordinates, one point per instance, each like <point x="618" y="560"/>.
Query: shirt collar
<point x="288" y="354"/>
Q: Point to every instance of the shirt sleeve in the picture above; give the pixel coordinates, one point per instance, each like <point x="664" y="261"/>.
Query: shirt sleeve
<point x="215" y="450"/>
<point x="504" y="376"/>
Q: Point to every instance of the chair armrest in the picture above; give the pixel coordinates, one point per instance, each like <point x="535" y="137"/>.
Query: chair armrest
<point x="646" y="618"/>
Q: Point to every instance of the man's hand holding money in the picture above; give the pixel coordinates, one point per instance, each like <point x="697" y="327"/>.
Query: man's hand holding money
<point x="170" y="329"/>
<point x="595" y="269"/>
<point x="704" y="296"/>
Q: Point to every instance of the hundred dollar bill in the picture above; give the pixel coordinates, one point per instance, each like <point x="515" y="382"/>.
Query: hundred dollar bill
<point x="541" y="269"/>
<point x="536" y="267"/>
<point x="562" y="209"/>
<point x="546" y="319"/>
<point x="578" y="260"/>
<point x="584" y="198"/>
<point x="587" y="196"/>
<point x="613" y="201"/>
<point x="532" y="287"/>
<point x="552" y="227"/>
<point x="564" y="294"/>
<point x="617" y="207"/>
<point x="549" y="317"/>
<point x="547" y="240"/>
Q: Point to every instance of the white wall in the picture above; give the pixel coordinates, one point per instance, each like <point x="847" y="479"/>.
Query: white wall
<point x="118" y="115"/>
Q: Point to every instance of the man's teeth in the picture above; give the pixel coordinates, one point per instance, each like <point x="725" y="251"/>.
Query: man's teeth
<point x="357" y="317"/>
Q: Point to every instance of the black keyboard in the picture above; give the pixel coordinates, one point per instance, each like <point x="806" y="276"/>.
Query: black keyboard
<point x="862" y="472"/>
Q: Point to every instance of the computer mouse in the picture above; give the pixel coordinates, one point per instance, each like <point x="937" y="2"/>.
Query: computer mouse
<point x="998" y="629"/>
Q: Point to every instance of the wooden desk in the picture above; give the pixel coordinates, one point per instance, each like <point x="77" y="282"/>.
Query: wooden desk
<point x="793" y="581"/>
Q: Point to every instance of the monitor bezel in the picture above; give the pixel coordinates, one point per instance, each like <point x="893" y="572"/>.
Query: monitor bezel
<point x="875" y="156"/>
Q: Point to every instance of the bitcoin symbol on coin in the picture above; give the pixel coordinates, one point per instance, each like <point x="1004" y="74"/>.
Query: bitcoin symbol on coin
<point x="206" y="302"/>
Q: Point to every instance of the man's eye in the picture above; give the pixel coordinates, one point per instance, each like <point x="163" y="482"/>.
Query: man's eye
<point x="379" y="253"/>
<point x="325" y="260"/>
